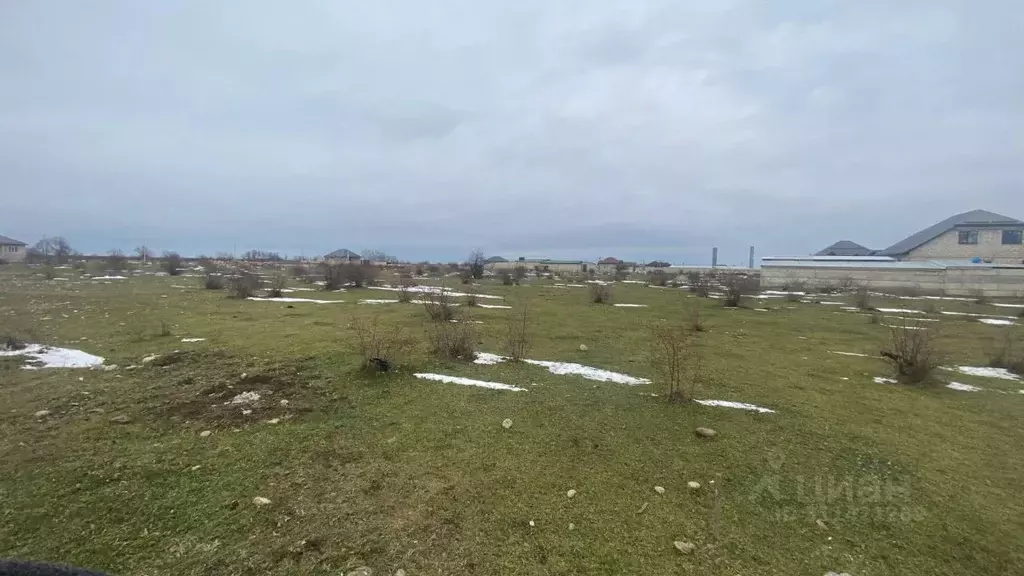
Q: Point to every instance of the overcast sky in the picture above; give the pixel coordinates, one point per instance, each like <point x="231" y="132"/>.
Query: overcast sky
<point x="638" y="129"/>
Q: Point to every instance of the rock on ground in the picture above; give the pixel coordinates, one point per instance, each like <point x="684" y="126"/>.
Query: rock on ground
<point x="506" y="423"/>
<point x="205" y="433"/>
<point x="705" y="432"/>
<point x="693" y="485"/>
<point x="659" y="489"/>
<point x="361" y="571"/>
<point x="121" y="419"/>
<point x="42" y="414"/>
<point x="684" y="547"/>
<point x="260" y="501"/>
<point x="570" y="493"/>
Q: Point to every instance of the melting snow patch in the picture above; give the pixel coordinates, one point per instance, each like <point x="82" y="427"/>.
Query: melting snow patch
<point x="488" y="358"/>
<point x="588" y="372"/>
<point x="971" y="314"/>
<point x="378" y="301"/>
<point x="962" y="387"/>
<point x="492" y="306"/>
<point x="50" y="357"/>
<point x="851" y="354"/>
<point x="1002" y="373"/>
<point x="468" y="382"/>
<point x="193" y="339"/>
<point x="782" y="293"/>
<point x="881" y="380"/>
<point x="296" y="300"/>
<point x="901" y="310"/>
<point x="1005" y="305"/>
<point x="434" y="290"/>
<point x="996" y="321"/>
<point x="630" y="305"/>
<point x="829" y="303"/>
<point x="913" y="319"/>
<point x="740" y="405"/>
<point x="110" y="277"/>
<point x="905" y="327"/>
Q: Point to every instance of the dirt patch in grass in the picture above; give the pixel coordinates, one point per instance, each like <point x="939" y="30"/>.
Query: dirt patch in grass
<point x="215" y="389"/>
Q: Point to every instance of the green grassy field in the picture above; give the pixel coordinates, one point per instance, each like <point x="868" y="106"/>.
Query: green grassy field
<point x="393" y="472"/>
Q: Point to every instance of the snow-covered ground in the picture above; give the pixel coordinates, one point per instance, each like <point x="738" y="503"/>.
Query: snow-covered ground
<point x="739" y="405"/>
<point x="570" y="369"/>
<point x="54" y="357"/>
<point x="468" y="382"/>
<point x="286" y="299"/>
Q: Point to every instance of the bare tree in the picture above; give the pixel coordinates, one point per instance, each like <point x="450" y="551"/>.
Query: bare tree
<point x="116" y="260"/>
<point x="476" y="263"/>
<point x="378" y="256"/>
<point x="144" y="253"/>
<point x="517" y="334"/>
<point x="674" y="353"/>
<point x="172" y="263"/>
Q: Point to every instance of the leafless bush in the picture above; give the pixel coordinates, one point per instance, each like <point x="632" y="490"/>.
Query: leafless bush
<point x="439" y="306"/>
<point x="172" y="263"/>
<point x="466" y="276"/>
<point x="48" y="272"/>
<point x="9" y="342"/>
<point x="911" y="352"/>
<point x="213" y="281"/>
<point x="875" y="318"/>
<point x="517" y="333"/>
<point x="453" y="339"/>
<point x="675" y="357"/>
<point x="846" y="283"/>
<point x="657" y="278"/>
<point x="696" y="324"/>
<point x="208" y="265"/>
<point x="165" y="329"/>
<point x="791" y="297"/>
<point x="600" y="293"/>
<point x="861" y="298"/>
<point x="117" y="261"/>
<point x="979" y="296"/>
<point x="404" y="291"/>
<point x="277" y="285"/>
<point x="700" y="284"/>
<point x="380" y="345"/>
<point x="472" y="300"/>
<point x="1011" y="354"/>
<point x="298" y="271"/>
<point x="795" y="286"/>
<point x="243" y="285"/>
<point x="356" y="275"/>
<point x="736" y="287"/>
<point x="506" y="279"/>
<point x="518" y="274"/>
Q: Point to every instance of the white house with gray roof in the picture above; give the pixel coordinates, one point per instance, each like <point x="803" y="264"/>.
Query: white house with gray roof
<point x="977" y="234"/>
<point x="12" y="250"/>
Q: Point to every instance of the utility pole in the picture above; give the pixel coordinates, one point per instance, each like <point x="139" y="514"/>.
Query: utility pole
<point x="750" y="263"/>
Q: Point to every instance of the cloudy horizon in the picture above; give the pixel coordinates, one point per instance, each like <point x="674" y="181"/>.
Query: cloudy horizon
<point x="648" y="130"/>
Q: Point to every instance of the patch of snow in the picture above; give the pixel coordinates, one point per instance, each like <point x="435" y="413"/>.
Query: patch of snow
<point x="493" y="306"/>
<point x="996" y="321"/>
<point x="488" y="358"/>
<point x="881" y="380"/>
<point x="973" y="315"/>
<point x="912" y="319"/>
<point x="905" y="327"/>
<point x="110" y="278"/>
<point x="633" y="282"/>
<point x="851" y="354"/>
<point x="378" y="301"/>
<point x="782" y="293"/>
<point x="296" y="300"/>
<point x="987" y="372"/>
<point x="901" y="310"/>
<point x="963" y="387"/>
<point x="434" y="290"/>
<point x="53" y="357"/>
<point x="853" y="308"/>
<point x="245" y="398"/>
<point x="1005" y="305"/>
<point x="740" y="405"/>
<point x="830" y="303"/>
<point x="468" y="382"/>
<point x="576" y="285"/>
<point x="193" y="339"/>
<point x="588" y="372"/>
<point x="630" y="305"/>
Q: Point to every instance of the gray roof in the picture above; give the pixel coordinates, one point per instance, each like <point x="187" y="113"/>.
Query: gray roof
<point x="9" y="241"/>
<point x="493" y="259"/>
<point x="344" y="253"/>
<point x="845" y="248"/>
<point x="978" y="217"/>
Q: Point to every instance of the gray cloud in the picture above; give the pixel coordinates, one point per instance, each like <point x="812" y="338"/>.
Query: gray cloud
<point x="649" y="129"/>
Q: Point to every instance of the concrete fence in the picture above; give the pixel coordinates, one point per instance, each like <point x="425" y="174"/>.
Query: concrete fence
<point x="926" y="277"/>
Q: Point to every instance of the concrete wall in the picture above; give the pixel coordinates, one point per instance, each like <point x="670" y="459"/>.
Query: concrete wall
<point x="10" y="253"/>
<point x="989" y="247"/>
<point x="959" y="281"/>
<point x="531" y="265"/>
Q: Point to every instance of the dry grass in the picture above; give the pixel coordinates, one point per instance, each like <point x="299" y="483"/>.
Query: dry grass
<point x="380" y="344"/>
<point x="453" y="339"/>
<point x="674" y="355"/>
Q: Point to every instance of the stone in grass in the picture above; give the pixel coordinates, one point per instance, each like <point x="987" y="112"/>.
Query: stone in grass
<point x="361" y="571"/>
<point x="260" y="501"/>
<point x="570" y="493"/>
<point x="693" y="485"/>
<point x="121" y="419"/>
<point x="42" y="414"/>
<point x="837" y="574"/>
<point x="583" y="348"/>
<point x="399" y="572"/>
<point x="659" y="489"/>
<point x="684" y="547"/>
<point x="205" y="433"/>
<point x="705" y="432"/>
<point x="506" y="423"/>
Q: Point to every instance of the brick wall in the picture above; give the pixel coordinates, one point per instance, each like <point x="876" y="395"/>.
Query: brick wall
<point x="990" y="246"/>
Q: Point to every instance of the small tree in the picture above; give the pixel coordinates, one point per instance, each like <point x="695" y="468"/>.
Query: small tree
<point x="862" y="299"/>
<point x="518" y="274"/>
<point x="506" y="278"/>
<point x="405" y="291"/>
<point x="172" y="263"/>
<point x="476" y="263"/>
<point x="736" y="287"/>
<point x="381" y="345"/>
<point x="298" y="271"/>
<point x="243" y="285"/>
<point x="116" y="261"/>
<point x="700" y="284"/>
<point x="277" y="285"/>
<point x="517" y="333"/>
<point x="600" y="293"/>
<point x="911" y="352"/>
<point x="143" y="253"/>
<point x="675" y="356"/>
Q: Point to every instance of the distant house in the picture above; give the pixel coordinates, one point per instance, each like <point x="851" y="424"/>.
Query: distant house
<point x="12" y="250"/>
<point x="343" y="255"/>
<point x="541" y="265"/>
<point x="977" y="234"/>
<point x="495" y="263"/>
<point x="608" y="265"/>
<point x="845" y="248"/>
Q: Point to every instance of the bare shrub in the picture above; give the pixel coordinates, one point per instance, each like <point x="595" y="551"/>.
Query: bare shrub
<point x="795" y="286"/>
<point x="213" y="281"/>
<point x="208" y="265"/>
<point x="700" y="284"/>
<point x="172" y="263"/>
<point x="791" y="297"/>
<point x="439" y="306"/>
<point x="506" y="279"/>
<point x="165" y="329"/>
<point x="349" y="274"/>
<point x="929" y="306"/>
<point x="476" y="264"/>
<point x="846" y="283"/>
<point x="658" y="278"/>
<point x="674" y="355"/>
<point x="298" y="271"/>
<point x="1011" y="353"/>
<point x="875" y="318"/>
<point x="243" y="285"/>
<point x="117" y="261"/>
<point x="979" y="296"/>
<point x="736" y="287"/>
<point x="453" y="339"/>
<point x="277" y="285"/>
<point x="600" y="293"/>
<point x="380" y="345"/>
<point x="9" y="342"/>
<point x="466" y="276"/>
<point x="404" y="291"/>
<point x="518" y="274"/>
<point x="472" y="300"/>
<point x="48" y="272"/>
<point x="861" y="298"/>
<point x="517" y="333"/>
<point x="696" y="323"/>
<point x="911" y="353"/>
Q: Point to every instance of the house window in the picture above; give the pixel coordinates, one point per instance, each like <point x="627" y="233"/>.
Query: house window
<point x="968" y="236"/>
<point x="1012" y="236"/>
